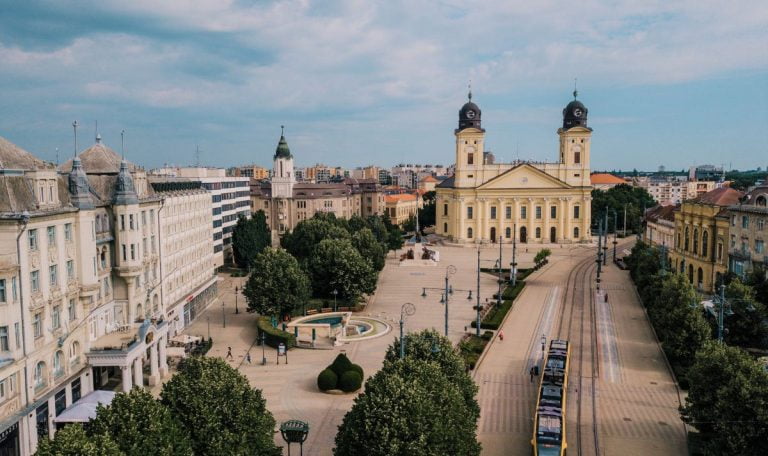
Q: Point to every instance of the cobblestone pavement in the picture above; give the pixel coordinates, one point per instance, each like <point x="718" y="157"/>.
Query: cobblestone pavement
<point x="290" y="389"/>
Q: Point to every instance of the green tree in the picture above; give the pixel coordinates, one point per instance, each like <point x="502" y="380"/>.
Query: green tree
<point x="622" y="196"/>
<point x="309" y="233"/>
<point x="728" y="401"/>
<point x="410" y="224"/>
<point x="73" y="441"/>
<point x="225" y="414"/>
<point x="277" y="284"/>
<point x="541" y="256"/>
<point x="409" y="407"/>
<point x="249" y="238"/>
<point x="378" y="227"/>
<point x="428" y="345"/>
<point x="372" y="250"/>
<point x="336" y="265"/>
<point x="394" y="234"/>
<point x="140" y="425"/>
<point x="758" y="280"/>
<point x="427" y="214"/>
<point x="746" y="325"/>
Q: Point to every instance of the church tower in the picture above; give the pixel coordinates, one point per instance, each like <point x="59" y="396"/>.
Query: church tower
<point x="283" y="177"/>
<point x="575" y="141"/>
<point x="469" y="144"/>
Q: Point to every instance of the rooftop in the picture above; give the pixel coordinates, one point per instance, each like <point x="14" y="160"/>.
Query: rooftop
<point x="723" y="196"/>
<point x="606" y="179"/>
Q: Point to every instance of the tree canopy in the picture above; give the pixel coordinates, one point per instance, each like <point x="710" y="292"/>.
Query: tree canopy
<point x="371" y="249"/>
<point x="429" y="345"/>
<point x="746" y="324"/>
<point x="335" y="264"/>
<point x="409" y="407"/>
<point x="73" y="441"/>
<point x="225" y="414"/>
<point x="427" y="214"/>
<point x="728" y="401"/>
<point x="140" y="425"/>
<point x="277" y="284"/>
<point x="309" y="233"/>
<point x="249" y="238"/>
<point x="634" y="199"/>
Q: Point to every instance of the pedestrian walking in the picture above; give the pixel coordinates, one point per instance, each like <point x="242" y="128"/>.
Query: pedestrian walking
<point x="501" y="336"/>
<point x="229" y="353"/>
<point x="531" y="372"/>
<point x="248" y="357"/>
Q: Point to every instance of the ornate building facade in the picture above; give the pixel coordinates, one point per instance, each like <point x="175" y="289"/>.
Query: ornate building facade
<point x="287" y="202"/>
<point x="535" y="202"/>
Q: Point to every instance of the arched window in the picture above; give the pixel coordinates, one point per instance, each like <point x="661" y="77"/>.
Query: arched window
<point x="74" y="349"/>
<point x="538" y="233"/>
<point x="705" y="244"/>
<point x="58" y="364"/>
<point x="576" y="232"/>
<point x="40" y="375"/>
<point x="98" y="223"/>
<point x="508" y="233"/>
<point x="700" y="278"/>
<point x="761" y="201"/>
<point x="469" y="232"/>
<point x="139" y="312"/>
<point x="445" y="228"/>
<point x="690" y="273"/>
<point x="695" y="240"/>
<point x="687" y="238"/>
<point x="155" y="304"/>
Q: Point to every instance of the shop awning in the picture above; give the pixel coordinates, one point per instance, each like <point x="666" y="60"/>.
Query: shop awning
<point x="84" y="409"/>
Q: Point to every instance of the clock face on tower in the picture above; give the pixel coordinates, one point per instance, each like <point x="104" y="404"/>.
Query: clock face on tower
<point x="470" y="114"/>
<point x="577" y="112"/>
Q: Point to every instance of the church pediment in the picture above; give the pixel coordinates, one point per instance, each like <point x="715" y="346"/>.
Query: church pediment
<point x="524" y="176"/>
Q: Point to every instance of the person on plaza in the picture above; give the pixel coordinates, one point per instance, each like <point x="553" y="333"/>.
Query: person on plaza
<point x="531" y="372"/>
<point x="229" y="353"/>
<point x="501" y="336"/>
<point x="248" y="357"/>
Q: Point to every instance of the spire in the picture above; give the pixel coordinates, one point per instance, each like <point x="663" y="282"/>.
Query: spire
<point x="125" y="193"/>
<point x="282" y="150"/>
<point x="74" y="126"/>
<point x="469" y="94"/>
<point x="575" y="91"/>
<point x="98" y="136"/>
<point x="79" y="190"/>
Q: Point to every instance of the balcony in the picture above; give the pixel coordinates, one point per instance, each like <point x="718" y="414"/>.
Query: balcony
<point x="58" y="373"/>
<point x="40" y="384"/>
<point x="740" y="255"/>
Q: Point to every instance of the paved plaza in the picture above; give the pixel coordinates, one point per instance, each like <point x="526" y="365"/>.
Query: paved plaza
<point x="291" y="390"/>
<point x="637" y="401"/>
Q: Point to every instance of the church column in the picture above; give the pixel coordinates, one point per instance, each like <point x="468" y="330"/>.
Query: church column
<point x="130" y="311"/>
<point x="480" y="225"/>
<point x="563" y="216"/>
<point x="568" y="214"/>
<point x="127" y="383"/>
<point x="545" y="228"/>
<point x="500" y="214"/>
<point x="460" y="219"/>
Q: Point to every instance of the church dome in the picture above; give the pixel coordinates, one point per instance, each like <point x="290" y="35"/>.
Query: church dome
<point x="469" y="115"/>
<point x="575" y="114"/>
<point x="282" y="150"/>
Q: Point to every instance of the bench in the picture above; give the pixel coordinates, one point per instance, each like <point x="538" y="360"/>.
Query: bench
<point x="326" y="310"/>
<point x="311" y="311"/>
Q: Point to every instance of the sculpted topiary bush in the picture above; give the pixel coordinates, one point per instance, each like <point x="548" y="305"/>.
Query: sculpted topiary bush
<point x="341" y="364"/>
<point x="357" y="368"/>
<point x="327" y="380"/>
<point x="350" y="381"/>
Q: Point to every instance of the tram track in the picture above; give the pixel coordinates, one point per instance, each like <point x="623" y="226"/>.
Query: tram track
<point x="578" y="322"/>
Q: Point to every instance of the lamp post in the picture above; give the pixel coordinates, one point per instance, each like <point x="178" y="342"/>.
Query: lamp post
<point x="334" y="293"/>
<point x="447" y="290"/>
<point x="605" y="241"/>
<point x="599" y="251"/>
<point x="615" y="233"/>
<point x="263" y="352"/>
<point x="236" y="311"/>
<point x="513" y="264"/>
<point x="406" y="310"/>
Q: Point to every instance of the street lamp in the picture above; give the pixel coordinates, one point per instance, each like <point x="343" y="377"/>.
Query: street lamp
<point x="334" y="293"/>
<point x="406" y="310"/>
<point x="447" y="290"/>
<point x="263" y="353"/>
<point x="294" y="431"/>
<point x="236" y="311"/>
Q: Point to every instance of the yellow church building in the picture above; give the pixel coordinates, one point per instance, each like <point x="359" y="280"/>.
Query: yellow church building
<point x="538" y="202"/>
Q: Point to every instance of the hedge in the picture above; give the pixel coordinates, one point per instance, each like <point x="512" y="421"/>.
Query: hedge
<point x="495" y="316"/>
<point x="274" y="336"/>
<point x="201" y="348"/>
<point x="470" y="350"/>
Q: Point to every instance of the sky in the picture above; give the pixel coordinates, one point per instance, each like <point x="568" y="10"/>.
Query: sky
<point x="672" y="83"/>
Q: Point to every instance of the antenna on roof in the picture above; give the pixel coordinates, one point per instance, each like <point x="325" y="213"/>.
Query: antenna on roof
<point x="282" y="130"/>
<point x="57" y="156"/>
<point x="197" y="156"/>
<point x="98" y="136"/>
<point x="74" y="125"/>
<point x="122" y="143"/>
